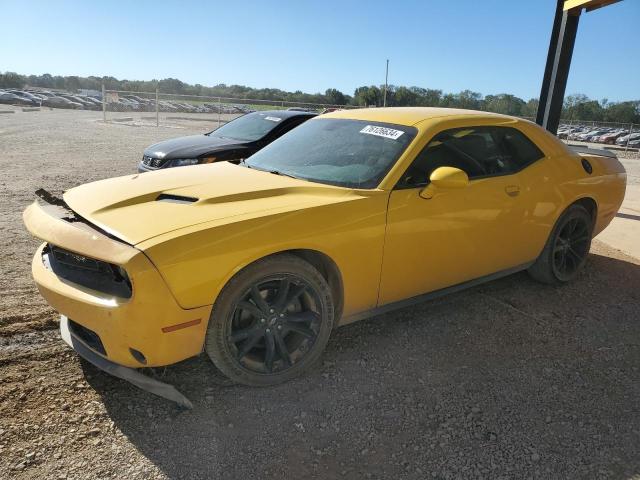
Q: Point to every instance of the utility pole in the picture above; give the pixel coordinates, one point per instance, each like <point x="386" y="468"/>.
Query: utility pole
<point x="157" y="109"/>
<point x="386" y="81"/>
<point x="104" y="105"/>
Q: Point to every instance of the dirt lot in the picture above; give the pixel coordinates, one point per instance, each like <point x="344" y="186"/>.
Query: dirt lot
<point x="509" y="380"/>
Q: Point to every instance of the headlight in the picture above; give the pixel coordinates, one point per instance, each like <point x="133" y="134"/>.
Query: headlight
<point x="183" y="162"/>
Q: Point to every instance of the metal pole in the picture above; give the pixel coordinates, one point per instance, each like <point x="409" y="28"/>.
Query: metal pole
<point x="558" y="63"/>
<point x="386" y="81"/>
<point x="546" y="79"/>
<point x="104" y="105"/>
<point x="628" y="137"/>
<point x="157" y="110"/>
<point x="219" y="109"/>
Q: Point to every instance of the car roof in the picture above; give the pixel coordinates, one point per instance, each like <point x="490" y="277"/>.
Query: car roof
<point x="406" y="115"/>
<point x="286" y="113"/>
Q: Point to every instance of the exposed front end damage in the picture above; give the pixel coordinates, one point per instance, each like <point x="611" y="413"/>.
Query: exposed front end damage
<point x="124" y="317"/>
<point x="129" y="374"/>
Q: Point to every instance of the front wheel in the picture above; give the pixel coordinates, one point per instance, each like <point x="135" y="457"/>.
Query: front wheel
<point x="271" y="321"/>
<point x="567" y="248"/>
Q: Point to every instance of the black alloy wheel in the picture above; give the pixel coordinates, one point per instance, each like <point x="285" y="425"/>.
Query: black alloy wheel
<point x="274" y="324"/>
<point x="271" y="321"/>
<point x="567" y="247"/>
<point x="571" y="248"/>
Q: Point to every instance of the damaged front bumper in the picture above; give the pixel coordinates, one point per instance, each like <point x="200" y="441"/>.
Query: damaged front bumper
<point x="144" y="328"/>
<point x="129" y="374"/>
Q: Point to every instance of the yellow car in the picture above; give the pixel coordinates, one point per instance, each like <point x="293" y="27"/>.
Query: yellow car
<point x="351" y="214"/>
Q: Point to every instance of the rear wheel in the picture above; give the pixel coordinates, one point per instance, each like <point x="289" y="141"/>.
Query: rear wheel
<point x="271" y="322"/>
<point x="567" y="248"/>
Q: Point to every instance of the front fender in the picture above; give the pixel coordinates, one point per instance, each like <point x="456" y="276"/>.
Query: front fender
<point x="196" y="265"/>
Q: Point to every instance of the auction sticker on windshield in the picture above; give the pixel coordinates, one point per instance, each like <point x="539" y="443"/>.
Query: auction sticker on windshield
<point x="273" y="119"/>
<point x="382" y="132"/>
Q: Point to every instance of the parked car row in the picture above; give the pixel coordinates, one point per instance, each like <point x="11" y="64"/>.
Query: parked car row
<point x="44" y="98"/>
<point x="119" y="103"/>
<point x="606" y="135"/>
<point x="135" y="103"/>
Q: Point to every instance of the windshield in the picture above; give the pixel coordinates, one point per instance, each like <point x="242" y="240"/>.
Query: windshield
<point x="249" y="127"/>
<point x="347" y="153"/>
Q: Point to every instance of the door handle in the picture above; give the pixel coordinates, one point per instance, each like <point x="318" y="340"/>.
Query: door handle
<point x="512" y="190"/>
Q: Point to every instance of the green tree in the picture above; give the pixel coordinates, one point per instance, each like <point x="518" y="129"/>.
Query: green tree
<point x="403" y="96"/>
<point x="530" y="109"/>
<point x="504" y="103"/>
<point x="367" y="96"/>
<point x="580" y="107"/>
<point x="71" y="83"/>
<point x="171" y="85"/>
<point x="334" y="96"/>
<point x="624" y="112"/>
<point x="469" y="100"/>
<point x="432" y="97"/>
<point x="11" y="80"/>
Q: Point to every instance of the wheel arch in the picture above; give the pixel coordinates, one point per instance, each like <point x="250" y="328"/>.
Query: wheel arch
<point x="590" y="205"/>
<point x="320" y="261"/>
<point x="329" y="270"/>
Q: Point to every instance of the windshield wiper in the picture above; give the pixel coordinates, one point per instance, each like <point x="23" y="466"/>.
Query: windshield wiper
<point x="284" y="174"/>
<point x="244" y="163"/>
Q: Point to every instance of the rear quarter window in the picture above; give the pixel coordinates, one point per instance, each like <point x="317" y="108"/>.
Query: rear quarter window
<point x="522" y="150"/>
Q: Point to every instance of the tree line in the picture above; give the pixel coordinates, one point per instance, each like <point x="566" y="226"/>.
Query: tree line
<point x="576" y="107"/>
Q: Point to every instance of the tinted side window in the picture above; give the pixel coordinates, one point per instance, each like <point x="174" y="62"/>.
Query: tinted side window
<point x="479" y="151"/>
<point x="289" y="124"/>
<point x="518" y="149"/>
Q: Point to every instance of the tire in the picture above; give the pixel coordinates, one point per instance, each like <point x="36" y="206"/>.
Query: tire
<point x="570" y="239"/>
<point x="258" y="335"/>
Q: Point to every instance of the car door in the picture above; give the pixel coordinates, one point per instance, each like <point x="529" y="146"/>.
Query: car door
<point x="459" y="234"/>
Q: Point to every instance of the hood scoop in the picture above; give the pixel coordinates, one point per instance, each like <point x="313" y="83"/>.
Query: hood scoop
<point x="167" y="197"/>
<point x="141" y="207"/>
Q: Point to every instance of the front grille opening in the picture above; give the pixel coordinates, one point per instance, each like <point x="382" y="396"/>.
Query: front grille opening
<point x="88" y="272"/>
<point x="89" y="337"/>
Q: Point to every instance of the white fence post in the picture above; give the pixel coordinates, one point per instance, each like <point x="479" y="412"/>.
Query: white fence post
<point x="157" y="110"/>
<point x="104" y="105"/>
<point x="219" y="108"/>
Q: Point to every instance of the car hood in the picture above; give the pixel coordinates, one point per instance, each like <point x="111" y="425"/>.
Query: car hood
<point x="136" y="208"/>
<point x="191" y="146"/>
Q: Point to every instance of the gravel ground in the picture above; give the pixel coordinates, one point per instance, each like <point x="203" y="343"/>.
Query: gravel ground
<point x="512" y="379"/>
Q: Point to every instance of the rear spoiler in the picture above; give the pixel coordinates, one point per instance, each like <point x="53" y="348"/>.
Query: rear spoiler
<point x="579" y="149"/>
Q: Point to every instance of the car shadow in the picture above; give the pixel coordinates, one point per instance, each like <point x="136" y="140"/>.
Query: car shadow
<point x="511" y="378"/>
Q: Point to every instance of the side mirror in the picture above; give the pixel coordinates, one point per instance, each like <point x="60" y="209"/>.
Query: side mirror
<point x="444" y="178"/>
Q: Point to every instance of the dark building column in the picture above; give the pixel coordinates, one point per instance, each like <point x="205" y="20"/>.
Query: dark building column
<point x="556" y="73"/>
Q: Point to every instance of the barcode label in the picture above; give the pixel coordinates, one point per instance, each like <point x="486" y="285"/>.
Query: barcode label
<point x="385" y="132"/>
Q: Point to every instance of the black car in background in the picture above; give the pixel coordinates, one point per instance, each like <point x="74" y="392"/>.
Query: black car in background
<point x="233" y="141"/>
